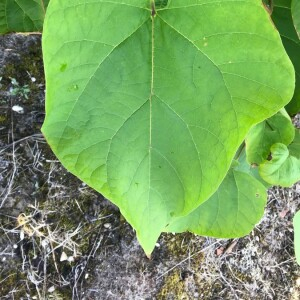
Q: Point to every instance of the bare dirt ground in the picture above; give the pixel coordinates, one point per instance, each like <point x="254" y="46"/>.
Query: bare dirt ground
<point x="61" y="240"/>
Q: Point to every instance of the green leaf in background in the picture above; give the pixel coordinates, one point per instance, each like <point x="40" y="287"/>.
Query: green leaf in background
<point x="148" y="106"/>
<point x="282" y="18"/>
<point x="283" y="169"/>
<point x="294" y="147"/>
<point x="232" y="211"/>
<point x="296" y="223"/>
<point x="277" y="129"/>
<point x="22" y="15"/>
<point x="296" y="15"/>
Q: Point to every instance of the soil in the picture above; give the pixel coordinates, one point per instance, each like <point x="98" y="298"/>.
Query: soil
<point x="59" y="239"/>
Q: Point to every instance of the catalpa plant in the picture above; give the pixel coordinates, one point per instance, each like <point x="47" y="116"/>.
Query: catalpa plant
<point x="176" y="111"/>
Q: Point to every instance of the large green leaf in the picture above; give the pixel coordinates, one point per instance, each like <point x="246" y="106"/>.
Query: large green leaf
<point x="282" y="169"/>
<point x="232" y="211"/>
<point x="149" y="105"/>
<point x="22" y="15"/>
<point x="296" y="223"/>
<point x="282" y="18"/>
<point x="277" y="129"/>
<point x="296" y="15"/>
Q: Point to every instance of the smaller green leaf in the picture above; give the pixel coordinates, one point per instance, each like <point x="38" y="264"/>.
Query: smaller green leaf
<point x="296" y="15"/>
<point x="277" y="129"/>
<point x="296" y="223"/>
<point x="283" y="169"/>
<point x="232" y="211"/>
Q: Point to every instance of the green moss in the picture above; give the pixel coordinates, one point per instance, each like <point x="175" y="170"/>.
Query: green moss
<point x="178" y="283"/>
<point x="177" y="244"/>
<point x="13" y="282"/>
<point x="2" y="119"/>
<point x="241" y="276"/>
<point x="61" y="294"/>
<point x="173" y="288"/>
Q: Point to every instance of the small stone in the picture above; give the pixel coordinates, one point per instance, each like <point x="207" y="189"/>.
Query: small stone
<point x="15" y="246"/>
<point x="63" y="256"/>
<point x="18" y="109"/>
<point x="220" y="251"/>
<point x="70" y="258"/>
<point x="107" y="225"/>
<point x="44" y="243"/>
<point x="51" y="289"/>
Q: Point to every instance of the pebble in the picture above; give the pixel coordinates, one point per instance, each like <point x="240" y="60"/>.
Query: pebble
<point x="18" y="109"/>
<point x="63" y="256"/>
<point x="51" y="289"/>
